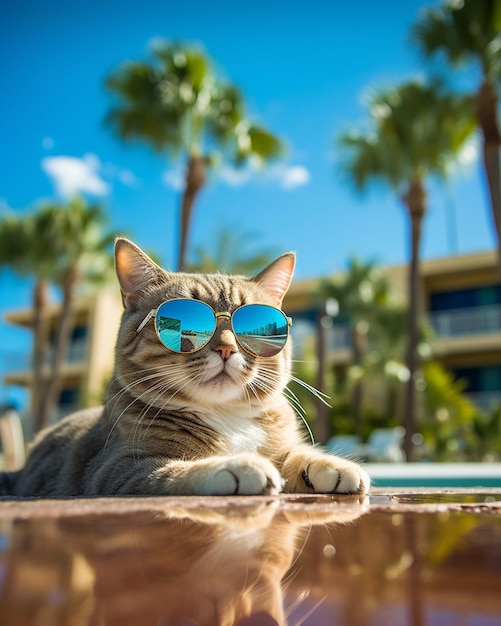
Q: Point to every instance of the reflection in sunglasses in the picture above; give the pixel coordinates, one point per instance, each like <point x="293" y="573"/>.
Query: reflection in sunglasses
<point x="185" y="326"/>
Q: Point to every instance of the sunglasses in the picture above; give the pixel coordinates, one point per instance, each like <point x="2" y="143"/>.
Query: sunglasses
<point x="185" y="326"/>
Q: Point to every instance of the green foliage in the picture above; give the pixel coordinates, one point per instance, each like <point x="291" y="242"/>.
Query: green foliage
<point x="55" y="237"/>
<point x="464" y="31"/>
<point x="359" y="291"/>
<point x="448" y="416"/>
<point x="370" y="419"/>
<point x="79" y="243"/>
<point x="231" y="254"/>
<point x="415" y="129"/>
<point x="176" y="102"/>
<point x="484" y="443"/>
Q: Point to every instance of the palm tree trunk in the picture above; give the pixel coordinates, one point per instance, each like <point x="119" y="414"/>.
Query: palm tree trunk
<point x="195" y="180"/>
<point x="322" y="420"/>
<point x="487" y="101"/>
<point x="357" y="350"/>
<point x="54" y="385"/>
<point x="41" y="342"/>
<point x="415" y="201"/>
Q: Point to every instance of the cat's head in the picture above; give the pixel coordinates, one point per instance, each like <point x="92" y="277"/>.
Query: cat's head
<point x="221" y="373"/>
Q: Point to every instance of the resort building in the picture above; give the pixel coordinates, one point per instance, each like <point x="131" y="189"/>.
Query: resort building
<point x="89" y="362"/>
<point x="461" y="300"/>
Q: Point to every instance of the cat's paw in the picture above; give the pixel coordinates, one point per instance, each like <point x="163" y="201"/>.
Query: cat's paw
<point x="328" y="474"/>
<point x="242" y="475"/>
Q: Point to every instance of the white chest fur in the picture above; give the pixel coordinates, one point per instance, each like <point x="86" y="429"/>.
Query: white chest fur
<point x="240" y="432"/>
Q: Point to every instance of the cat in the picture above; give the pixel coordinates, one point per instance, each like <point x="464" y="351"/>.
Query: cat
<point x="213" y="421"/>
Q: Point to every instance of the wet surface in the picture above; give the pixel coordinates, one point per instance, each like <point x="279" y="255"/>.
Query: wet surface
<point x="448" y="498"/>
<point x="422" y="558"/>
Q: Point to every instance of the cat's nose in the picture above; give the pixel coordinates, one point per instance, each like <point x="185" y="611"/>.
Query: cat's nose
<point x="225" y="351"/>
<point x="227" y="345"/>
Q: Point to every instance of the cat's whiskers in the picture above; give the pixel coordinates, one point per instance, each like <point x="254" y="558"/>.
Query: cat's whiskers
<point x="127" y="390"/>
<point x="116" y="398"/>
<point x="295" y="403"/>
<point x="134" y="437"/>
<point x="270" y="380"/>
<point x="160" y="371"/>
<point x="323" y="397"/>
<point x="181" y="381"/>
<point x="251" y="387"/>
<point x="161" y="408"/>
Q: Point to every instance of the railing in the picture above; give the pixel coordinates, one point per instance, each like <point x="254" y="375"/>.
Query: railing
<point x="485" y="400"/>
<point x="471" y="321"/>
<point x="21" y="362"/>
<point x="76" y="353"/>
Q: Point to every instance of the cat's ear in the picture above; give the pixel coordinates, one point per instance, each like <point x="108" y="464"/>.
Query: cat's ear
<point x="135" y="271"/>
<point x="277" y="277"/>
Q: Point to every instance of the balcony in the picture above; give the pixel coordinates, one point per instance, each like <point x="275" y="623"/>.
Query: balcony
<point x="17" y="367"/>
<point x="472" y="321"/>
<point x="77" y="352"/>
<point x="339" y="337"/>
<point x="485" y="400"/>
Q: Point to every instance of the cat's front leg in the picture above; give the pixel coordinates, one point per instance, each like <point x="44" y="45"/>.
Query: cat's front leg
<point x="243" y="474"/>
<point x="308" y="470"/>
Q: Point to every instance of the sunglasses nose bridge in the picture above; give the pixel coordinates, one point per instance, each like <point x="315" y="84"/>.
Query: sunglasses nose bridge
<point x="222" y="316"/>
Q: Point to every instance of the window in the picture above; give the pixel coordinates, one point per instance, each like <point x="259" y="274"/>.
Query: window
<point x="465" y="298"/>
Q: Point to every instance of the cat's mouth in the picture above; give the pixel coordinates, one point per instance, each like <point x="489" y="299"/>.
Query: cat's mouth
<point x="224" y="374"/>
<point x="223" y="377"/>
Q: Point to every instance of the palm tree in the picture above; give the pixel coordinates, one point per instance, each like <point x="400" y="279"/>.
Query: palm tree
<point x="230" y="254"/>
<point x="468" y="31"/>
<point x="176" y="103"/>
<point x="359" y="293"/>
<point x="27" y="250"/>
<point x="415" y="130"/>
<point x="82" y="252"/>
<point x="59" y="245"/>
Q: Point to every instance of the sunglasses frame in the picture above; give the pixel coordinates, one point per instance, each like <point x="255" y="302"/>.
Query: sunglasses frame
<point x="152" y="314"/>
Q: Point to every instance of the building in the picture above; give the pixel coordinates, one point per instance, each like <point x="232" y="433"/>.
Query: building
<point x="461" y="299"/>
<point x="89" y="363"/>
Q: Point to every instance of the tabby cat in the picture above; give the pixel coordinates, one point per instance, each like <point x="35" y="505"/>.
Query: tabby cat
<point x="196" y="404"/>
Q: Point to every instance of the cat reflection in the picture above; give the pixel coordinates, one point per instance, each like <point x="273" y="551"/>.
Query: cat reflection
<point x="226" y="567"/>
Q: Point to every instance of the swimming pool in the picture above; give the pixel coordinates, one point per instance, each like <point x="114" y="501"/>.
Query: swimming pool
<point x="434" y="474"/>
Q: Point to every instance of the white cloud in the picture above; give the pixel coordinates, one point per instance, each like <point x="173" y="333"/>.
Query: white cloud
<point x="109" y="171"/>
<point x="288" y="177"/>
<point x="470" y="153"/>
<point x="467" y="158"/>
<point x="128" y="178"/>
<point x="72" y="175"/>
<point x="174" y="178"/>
<point x="293" y="176"/>
<point x="235" y="177"/>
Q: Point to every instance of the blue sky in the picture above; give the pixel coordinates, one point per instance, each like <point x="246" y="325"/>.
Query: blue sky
<point x="304" y="69"/>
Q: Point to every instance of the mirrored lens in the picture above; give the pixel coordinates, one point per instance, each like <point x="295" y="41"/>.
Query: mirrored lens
<point x="260" y="329"/>
<point x="185" y="325"/>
